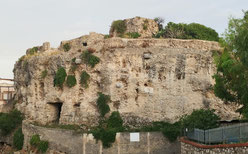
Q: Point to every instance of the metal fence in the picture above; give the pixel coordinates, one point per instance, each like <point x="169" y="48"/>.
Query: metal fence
<point x="229" y="134"/>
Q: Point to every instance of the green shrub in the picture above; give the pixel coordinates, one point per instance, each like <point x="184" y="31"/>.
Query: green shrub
<point x="189" y="31"/>
<point x="10" y="121"/>
<point x="33" y="51"/>
<point x="119" y="26"/>
<point x="102" y="104"/>
<point x="115" y="121"/>
<point x="71" y="81"/>
<point x="172" y="131"/>
<point x="18" y="139"/>
<point x="106" y="136"/>
<point x="59" y="78"/>
<point x="84" y="79"/>
<point x="133" y="35"/>
<point x="89" y="59"/>
<point x="202" y="119"/>
<point x="35" y="140"/>
<point x="66" y="47"/>
<point x="43" y="74"/>
<point x="43" y="146"/>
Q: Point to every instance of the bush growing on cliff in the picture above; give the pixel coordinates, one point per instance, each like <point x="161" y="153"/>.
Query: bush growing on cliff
<point x="71" y="81"/>
<point x="119" y="26"/>
<point x="59" y="78"/>
<point x="188" y="31"/>
<point x="202" y="119"/>
<point x="115" y="121"/>
<point x="18" y="139"/>
<point x="10" y="121"/>
<point x="84" y="79"/>
<point x="106" y="131"/>
<point x="89" y="59"/>
<point x="66" y="47"/>
<point x="32" y="51"/>
<point x="102" y="104"/>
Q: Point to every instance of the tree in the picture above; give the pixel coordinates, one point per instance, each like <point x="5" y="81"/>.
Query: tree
<point x="232" y="65"/>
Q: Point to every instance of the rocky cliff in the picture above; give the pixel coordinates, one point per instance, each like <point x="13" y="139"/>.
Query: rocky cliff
<point x="146" y="79"/>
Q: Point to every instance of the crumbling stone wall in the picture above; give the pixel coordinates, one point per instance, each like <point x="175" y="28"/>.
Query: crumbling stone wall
<point x="147" y="80"/>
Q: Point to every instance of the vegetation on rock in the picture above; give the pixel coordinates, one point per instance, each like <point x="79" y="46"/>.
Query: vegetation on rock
<point x="188" y="31"/>
<point x="66" y="47"/>
<point x="18" y="139"/>
<point x="84" y="79"/>
<point x="102" y="104"/>
<point x="10" y="121"/>
<point x="119" y="26"/>
<point x="32" y="51"/>
<point x="71" y="81"/>
<point x="106" y="131"/>
<point x="232" y="65"/>
<point x="60" y="77"/>
<point x="35" y="140"/>
<point x="89" y="59"/>
<point x="201" y="119"/>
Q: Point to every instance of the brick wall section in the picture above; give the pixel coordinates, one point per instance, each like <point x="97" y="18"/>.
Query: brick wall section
<point x="190" y="147"/>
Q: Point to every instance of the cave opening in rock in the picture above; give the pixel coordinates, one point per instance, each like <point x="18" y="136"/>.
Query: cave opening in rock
<point x="56" y="108"/>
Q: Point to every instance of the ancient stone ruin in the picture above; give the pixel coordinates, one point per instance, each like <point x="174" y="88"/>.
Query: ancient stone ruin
<point x="147" y="79"/>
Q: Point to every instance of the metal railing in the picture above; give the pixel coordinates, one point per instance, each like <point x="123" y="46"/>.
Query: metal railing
<point x="229" y="134"/>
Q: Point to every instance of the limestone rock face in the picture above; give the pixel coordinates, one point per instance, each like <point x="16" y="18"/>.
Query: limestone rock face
<point x="146" y="79"/>
<point x="145" y="27"/>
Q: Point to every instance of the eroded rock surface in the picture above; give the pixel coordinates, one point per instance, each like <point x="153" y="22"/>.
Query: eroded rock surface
<point x="147" y="80"/>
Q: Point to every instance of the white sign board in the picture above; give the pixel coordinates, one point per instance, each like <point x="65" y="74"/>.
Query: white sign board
<point x="134" y="137"/>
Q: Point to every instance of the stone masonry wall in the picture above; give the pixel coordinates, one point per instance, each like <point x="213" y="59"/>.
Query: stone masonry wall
<point x="66" y="141"/>
<point x="189" y="147"/>
<point x="147" y="80"/>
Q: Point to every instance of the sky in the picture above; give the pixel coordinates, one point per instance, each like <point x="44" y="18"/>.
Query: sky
<point x="28" y="23"/>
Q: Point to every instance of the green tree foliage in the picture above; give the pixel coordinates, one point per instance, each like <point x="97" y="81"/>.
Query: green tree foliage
<point x="71" y="81"/>
<point x="60" y="77"/>
<point x="102" y="104"/>
<point x="18" y="139"/>
<point x="201" y="119"/>
<point x="232" y="65"/>
<point x="89" y="59"/>
<point x="84" y="79"/>
<point x="10" y="121"/>
<point x="188" y="31"/>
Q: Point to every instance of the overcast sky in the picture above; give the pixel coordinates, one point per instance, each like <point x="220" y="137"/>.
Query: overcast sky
<point x="28" y="23"/>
